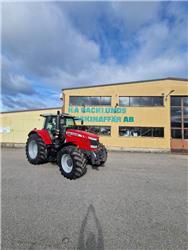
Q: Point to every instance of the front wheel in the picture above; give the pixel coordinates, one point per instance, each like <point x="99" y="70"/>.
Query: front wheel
<point x="71" y="162"/>
<point x="103" y="155"/>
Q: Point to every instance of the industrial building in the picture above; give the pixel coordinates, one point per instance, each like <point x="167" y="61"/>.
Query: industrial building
<point x="140" y="115"/>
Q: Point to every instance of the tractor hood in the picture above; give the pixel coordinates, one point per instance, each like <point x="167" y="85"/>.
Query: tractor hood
<point x="81" y="133"/>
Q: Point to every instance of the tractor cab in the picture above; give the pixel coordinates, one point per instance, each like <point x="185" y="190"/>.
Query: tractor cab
<point x="58" y="124"/>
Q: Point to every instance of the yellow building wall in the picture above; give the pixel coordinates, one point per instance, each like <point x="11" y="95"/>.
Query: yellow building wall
<point x="143" y="116"/>
<point x="15" y="126"/>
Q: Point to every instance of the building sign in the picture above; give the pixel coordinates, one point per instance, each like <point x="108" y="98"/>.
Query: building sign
<point x="85" y="113"/>
<point x="4" y="130"/>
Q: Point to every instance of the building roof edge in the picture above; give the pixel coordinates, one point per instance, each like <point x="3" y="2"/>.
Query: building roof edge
<point x="131" y="82"/>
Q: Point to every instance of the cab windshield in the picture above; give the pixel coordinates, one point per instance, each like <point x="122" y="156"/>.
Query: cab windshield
<point x="69" y="121"/>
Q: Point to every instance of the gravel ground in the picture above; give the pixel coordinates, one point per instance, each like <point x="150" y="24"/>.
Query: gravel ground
<point x="137" y="201"/>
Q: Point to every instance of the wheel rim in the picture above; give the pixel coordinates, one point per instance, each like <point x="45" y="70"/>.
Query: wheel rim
<point x="66" y="163"/>
<point x="33" y="149"/>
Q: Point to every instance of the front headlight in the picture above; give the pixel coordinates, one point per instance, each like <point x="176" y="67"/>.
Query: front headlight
<point x="94" y="143"/>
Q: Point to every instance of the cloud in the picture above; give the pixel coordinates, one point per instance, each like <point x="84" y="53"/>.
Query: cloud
<point x="89" y="16"/>
<point x="13" y="82"/>
<point x="15" y="102"/>
<point x="114" y="73"/>
<point x="53" y="45"/>
<point x="22" y="101"/>
<point x="134" y="16"/>
<point x="42" y="37"/>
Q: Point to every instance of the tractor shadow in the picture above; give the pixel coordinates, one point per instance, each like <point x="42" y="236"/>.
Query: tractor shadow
<point x="91" y="235"/>
<point x="97" y="168"/>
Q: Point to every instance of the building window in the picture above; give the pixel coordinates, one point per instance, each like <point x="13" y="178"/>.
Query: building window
<point x="176" y="122"/>
<point x="141" y="131"/>
<point x="140" y="101"/>
<point x="185" y="101"/>
<point x="176" y="133"/>
<point x="90" y="100"/>
<point x="100" y="130"/>
<point x="175" y="101"/>
<point x="185" y="133"/>
<point x="185" y="122"/>
<point x="124" y="101"/>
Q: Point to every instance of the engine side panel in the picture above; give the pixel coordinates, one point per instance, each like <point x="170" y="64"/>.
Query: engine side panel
<point x="79" y="140"/>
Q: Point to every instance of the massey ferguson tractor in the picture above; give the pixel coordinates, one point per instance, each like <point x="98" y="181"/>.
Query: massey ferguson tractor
<point x="66" y="143"/>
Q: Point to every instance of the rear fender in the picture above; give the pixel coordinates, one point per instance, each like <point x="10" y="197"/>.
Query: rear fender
<point x="44" y="134"/>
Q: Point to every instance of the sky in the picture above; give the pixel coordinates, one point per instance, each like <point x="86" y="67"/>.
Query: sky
<point x="48" y="46"/>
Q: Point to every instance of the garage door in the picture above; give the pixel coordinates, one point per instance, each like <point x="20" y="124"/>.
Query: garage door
<point x="179" y="123"/>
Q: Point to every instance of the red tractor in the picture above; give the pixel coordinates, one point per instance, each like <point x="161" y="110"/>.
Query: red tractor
<point x="66" y="143"/>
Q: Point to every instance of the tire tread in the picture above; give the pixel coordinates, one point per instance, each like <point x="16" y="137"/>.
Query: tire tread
<point x="79" y="162"/>
<point x="42" y="155"/>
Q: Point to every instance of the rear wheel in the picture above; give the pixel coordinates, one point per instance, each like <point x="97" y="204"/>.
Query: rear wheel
<point x="71" y="162"/>
<point x="36" y="150"/>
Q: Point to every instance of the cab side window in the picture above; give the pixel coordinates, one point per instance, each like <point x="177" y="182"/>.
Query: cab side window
<point x="50" y="124"/>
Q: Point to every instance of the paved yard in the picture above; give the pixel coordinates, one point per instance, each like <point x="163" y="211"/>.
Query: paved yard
<point x="137" y="201"/>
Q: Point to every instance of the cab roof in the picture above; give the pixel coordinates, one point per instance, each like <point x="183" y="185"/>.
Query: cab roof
<point x="62" y="115"/>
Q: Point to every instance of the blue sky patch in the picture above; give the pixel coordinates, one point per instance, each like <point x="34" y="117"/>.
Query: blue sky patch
<point x="47" y="46"/>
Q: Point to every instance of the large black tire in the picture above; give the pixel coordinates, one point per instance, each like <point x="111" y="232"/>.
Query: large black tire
<point x="39" y="156"/>
<point x="104" y="152"/>
<point x="71" y="162"/>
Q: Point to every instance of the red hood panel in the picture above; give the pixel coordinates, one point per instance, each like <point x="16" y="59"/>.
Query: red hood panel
<point x="83" y="133"/>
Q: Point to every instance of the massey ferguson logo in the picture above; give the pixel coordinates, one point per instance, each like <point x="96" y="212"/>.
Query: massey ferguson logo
<point x="74" y="134"/>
